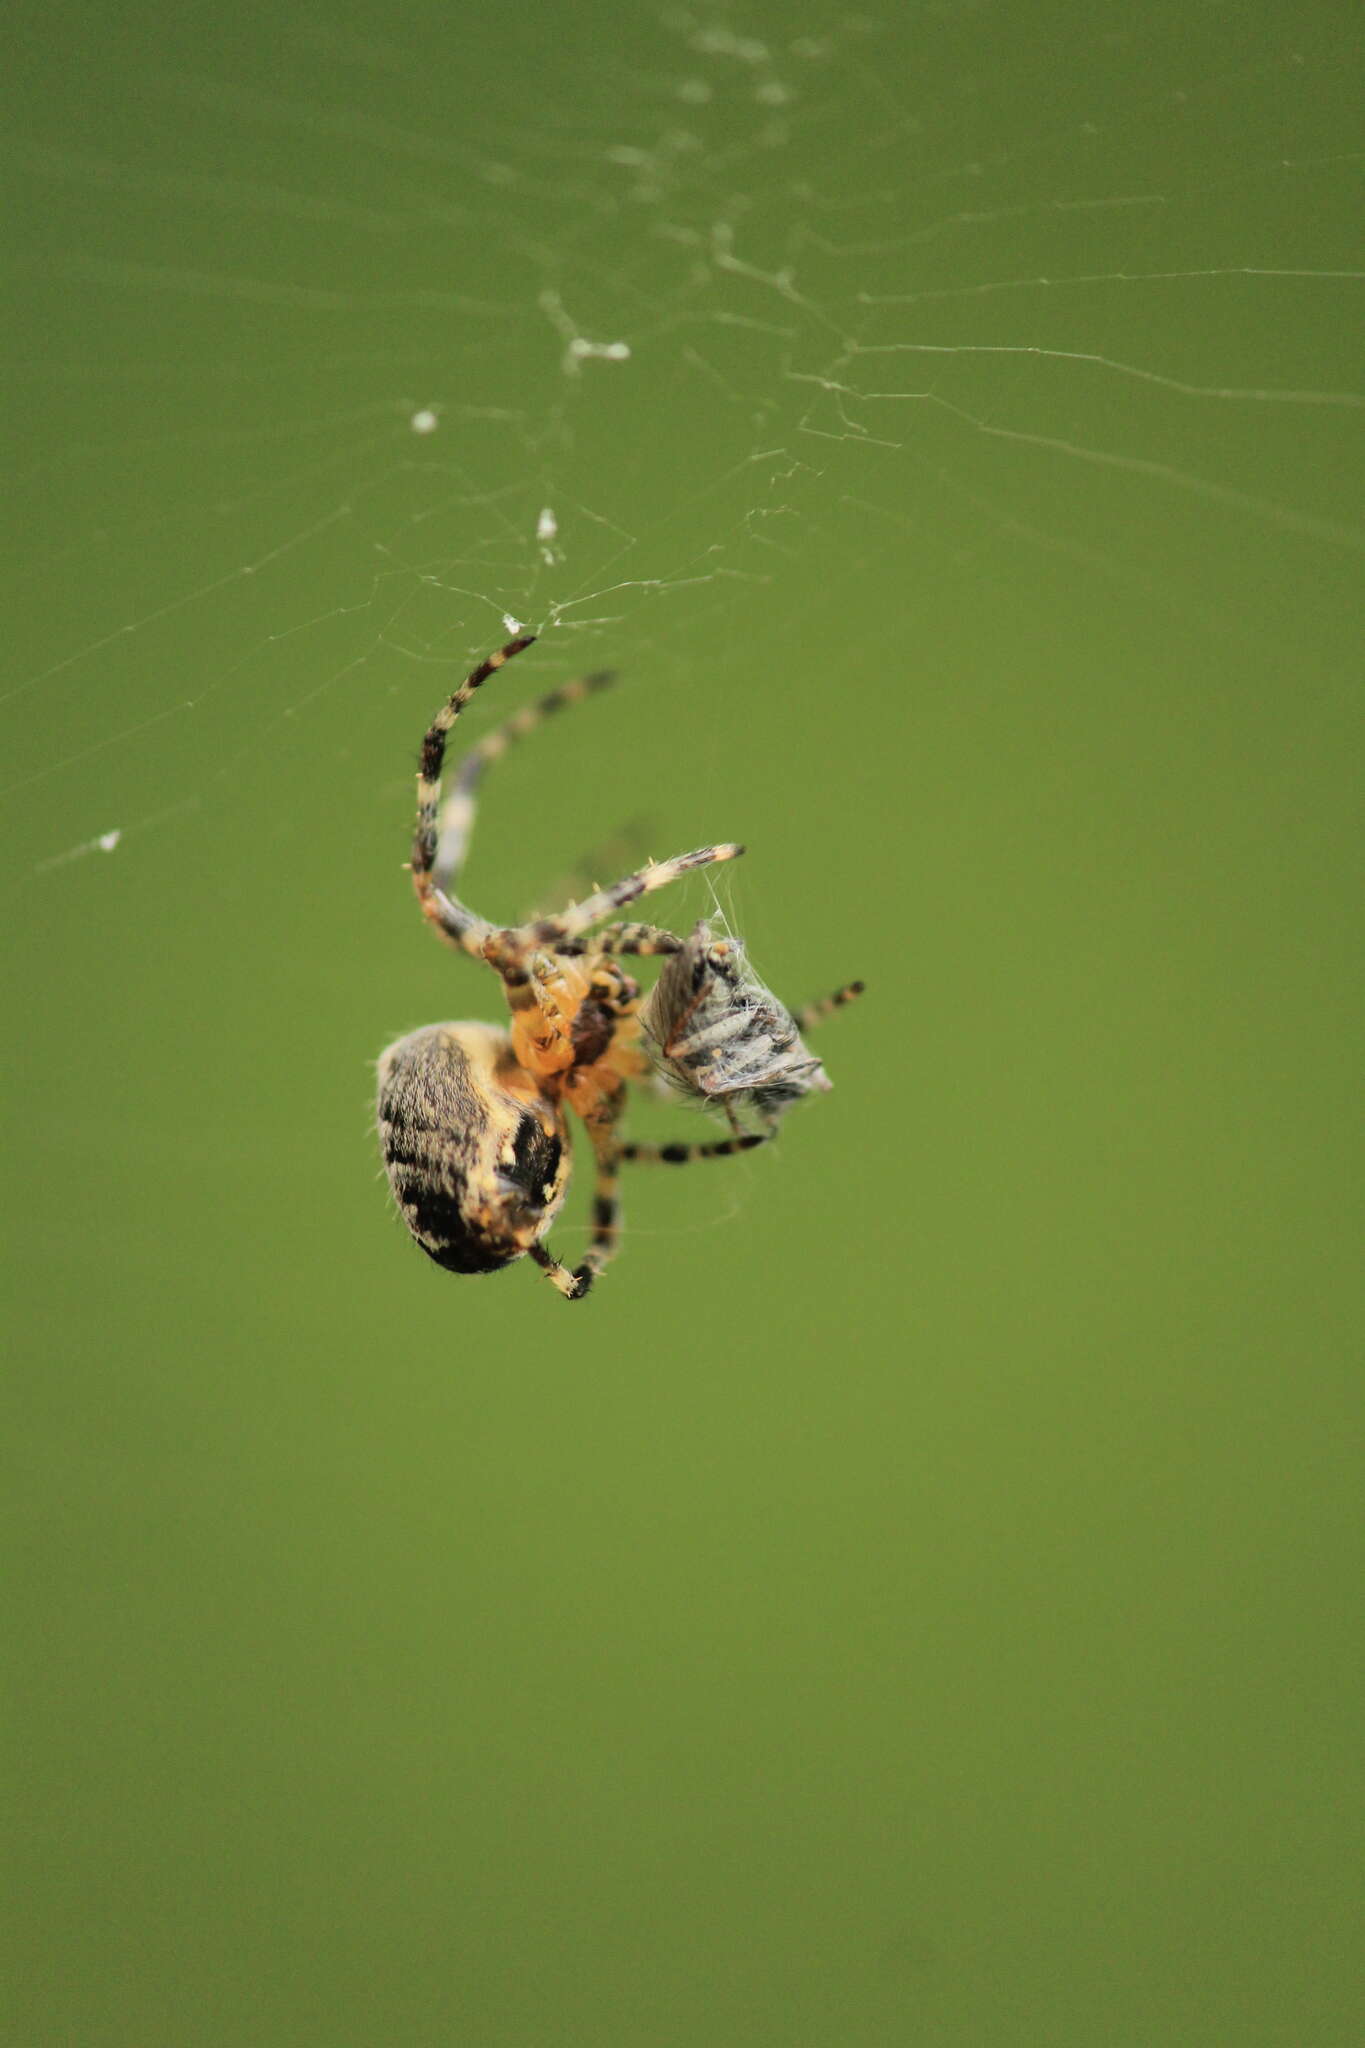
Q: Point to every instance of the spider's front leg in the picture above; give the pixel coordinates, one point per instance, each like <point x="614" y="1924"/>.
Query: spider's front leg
<point x="811" y="1014"/>
<point x="682" y="1155"/>
<point x="642" y="939"/>
<point x="570" y="925"/>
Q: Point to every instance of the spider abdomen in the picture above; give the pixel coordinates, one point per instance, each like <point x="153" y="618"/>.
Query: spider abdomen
<point x="476" y="1156"/>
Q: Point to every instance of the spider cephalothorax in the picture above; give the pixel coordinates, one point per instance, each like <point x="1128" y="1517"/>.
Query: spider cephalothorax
<point x="472" y="1119"/>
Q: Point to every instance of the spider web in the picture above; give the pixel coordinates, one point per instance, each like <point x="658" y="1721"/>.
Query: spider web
<point x="709" y="342"/>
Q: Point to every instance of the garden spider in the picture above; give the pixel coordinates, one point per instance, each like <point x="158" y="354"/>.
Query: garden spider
<point x="472" y="1118"/>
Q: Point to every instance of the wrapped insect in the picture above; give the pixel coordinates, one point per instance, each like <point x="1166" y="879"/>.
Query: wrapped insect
<point x="719" y="1034"/>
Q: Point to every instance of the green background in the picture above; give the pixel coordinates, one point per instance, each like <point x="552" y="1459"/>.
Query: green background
<point x="912" y="1600"/>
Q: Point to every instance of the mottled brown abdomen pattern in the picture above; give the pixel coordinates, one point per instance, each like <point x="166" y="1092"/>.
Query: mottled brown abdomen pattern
<point x="433" y="1127"/>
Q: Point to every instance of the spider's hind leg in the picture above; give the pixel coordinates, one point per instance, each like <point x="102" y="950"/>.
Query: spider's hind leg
<point x="568" y="1284"/>
<point x="457" y="814"/>
<point x="606" y="1210"/>
<point x="606" y="1222"/>
<point x="451" y="918"/>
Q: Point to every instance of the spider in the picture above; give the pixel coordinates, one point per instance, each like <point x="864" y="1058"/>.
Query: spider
<point x="472" y="1118"/>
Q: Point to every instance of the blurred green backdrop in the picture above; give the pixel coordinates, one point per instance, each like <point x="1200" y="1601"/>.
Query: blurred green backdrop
<point x="913" y="1600"/>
